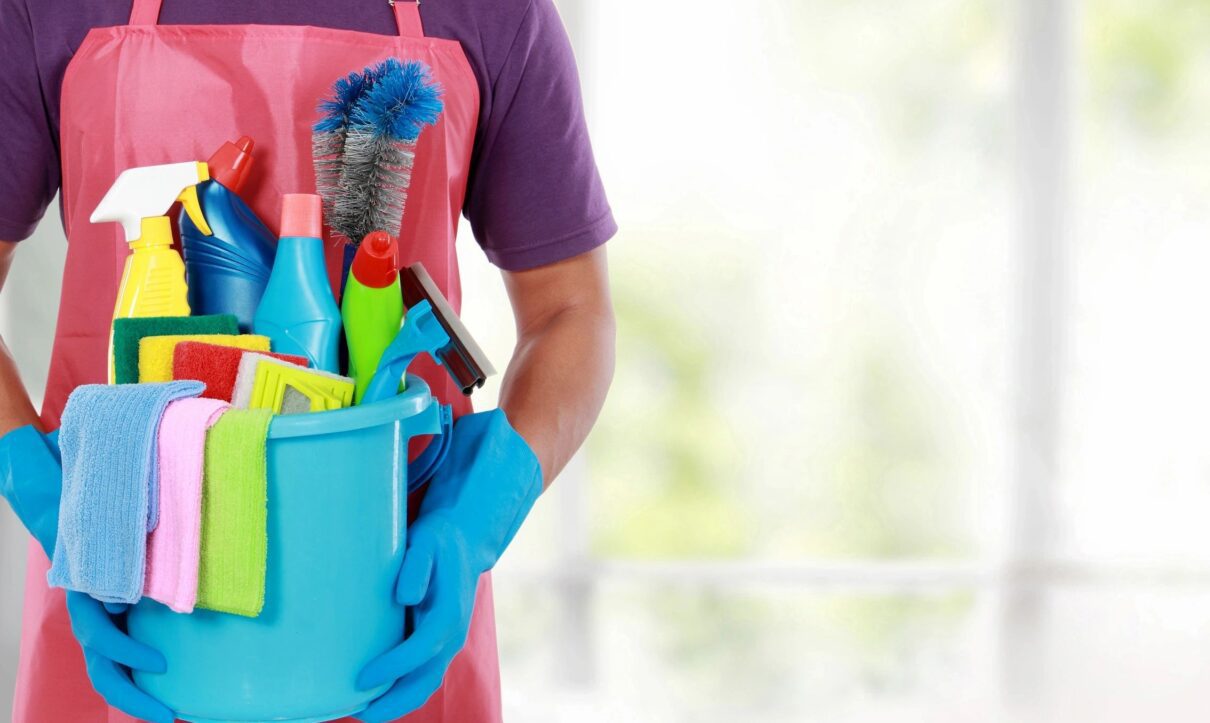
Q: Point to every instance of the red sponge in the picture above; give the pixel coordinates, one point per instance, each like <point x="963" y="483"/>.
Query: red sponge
<point x="215" y="366"/>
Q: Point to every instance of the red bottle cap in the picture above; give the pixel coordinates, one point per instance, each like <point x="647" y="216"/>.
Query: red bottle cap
<point x="376" y="264"/>
<point x="301" y="215"/>
<point x="230" y="164"/>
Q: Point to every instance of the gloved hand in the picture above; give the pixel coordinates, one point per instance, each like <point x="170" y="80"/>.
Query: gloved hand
<point x="31" y="479"/>
<point x="108" y="653"/>
<point x="474" y="506"/>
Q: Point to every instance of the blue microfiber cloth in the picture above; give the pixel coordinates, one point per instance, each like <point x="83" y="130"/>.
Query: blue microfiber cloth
<point x="107" y="439"/>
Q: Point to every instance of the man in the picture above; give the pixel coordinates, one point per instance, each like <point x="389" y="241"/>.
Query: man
<point x="517" y="162"/>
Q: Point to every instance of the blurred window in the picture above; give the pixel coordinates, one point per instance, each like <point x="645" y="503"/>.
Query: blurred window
<point x="906" y="424"/>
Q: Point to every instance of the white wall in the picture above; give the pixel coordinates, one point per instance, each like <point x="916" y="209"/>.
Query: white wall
<point x="29" y="304"/>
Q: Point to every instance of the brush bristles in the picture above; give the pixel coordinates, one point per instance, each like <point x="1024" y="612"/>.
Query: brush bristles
<point x="328" y="134"/>
<point x="401" y="104"/>
<point x="373" y="185"/>
<point x="327" y="150"/>
<point x="365" y="144"/>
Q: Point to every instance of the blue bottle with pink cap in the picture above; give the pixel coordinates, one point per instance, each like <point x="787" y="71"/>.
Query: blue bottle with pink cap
<point x="298" y="311"/>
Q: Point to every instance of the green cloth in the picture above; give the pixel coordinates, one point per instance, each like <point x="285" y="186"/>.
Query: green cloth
<point x="231" y="574"/>
<point x="127" y="333"/>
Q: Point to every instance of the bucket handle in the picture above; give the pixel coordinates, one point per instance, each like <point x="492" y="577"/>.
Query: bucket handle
<point x="422" y="470"/>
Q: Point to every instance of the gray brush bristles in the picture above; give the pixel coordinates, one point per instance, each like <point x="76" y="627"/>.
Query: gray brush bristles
<point x="373" y="185"/>
<point x="327" y="151"/>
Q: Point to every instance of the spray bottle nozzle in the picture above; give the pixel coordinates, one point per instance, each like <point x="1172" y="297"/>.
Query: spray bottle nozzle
<point x="149" y="191"/>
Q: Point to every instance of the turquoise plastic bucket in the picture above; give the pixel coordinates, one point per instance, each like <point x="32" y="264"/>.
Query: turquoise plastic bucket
<point x="337" y="524"/>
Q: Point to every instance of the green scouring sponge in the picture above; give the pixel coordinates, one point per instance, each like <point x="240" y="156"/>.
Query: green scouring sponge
<point x="128" y="332"/>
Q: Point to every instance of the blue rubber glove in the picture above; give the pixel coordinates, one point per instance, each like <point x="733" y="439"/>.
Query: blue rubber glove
<point x="474" y="506"/>
<point x="109" y="653"/>
<point x="31" y="479"/>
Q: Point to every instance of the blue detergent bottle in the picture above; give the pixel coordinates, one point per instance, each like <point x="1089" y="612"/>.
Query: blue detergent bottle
<point x="228" y="269"/>
<point x="298" y="311"/>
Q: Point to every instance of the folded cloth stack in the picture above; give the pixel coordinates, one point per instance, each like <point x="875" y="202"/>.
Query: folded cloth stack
<point x="156" y="353"/>
<point x="109" y="503"/>
<point x="165" y="481"/>
<point x="128" y="333"/>
<point x="135" y="454"/>
<point x="216" y="366"/>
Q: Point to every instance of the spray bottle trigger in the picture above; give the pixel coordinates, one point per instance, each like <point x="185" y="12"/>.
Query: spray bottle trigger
<point x="193" y="207"/>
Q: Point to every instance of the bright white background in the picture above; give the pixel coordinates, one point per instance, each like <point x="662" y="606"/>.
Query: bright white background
<point x="909" y="415"/>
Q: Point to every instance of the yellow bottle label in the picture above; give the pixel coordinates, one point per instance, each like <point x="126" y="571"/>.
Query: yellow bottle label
<point x="153" y="284"/>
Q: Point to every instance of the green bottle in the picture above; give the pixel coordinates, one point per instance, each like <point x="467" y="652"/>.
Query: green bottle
<point x="372" y="307"/>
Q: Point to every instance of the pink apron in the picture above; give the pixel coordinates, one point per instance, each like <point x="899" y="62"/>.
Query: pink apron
<point x="144" y="94"/>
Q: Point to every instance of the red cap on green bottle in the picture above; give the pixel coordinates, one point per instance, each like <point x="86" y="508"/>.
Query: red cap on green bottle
<point x="377" y="261"/>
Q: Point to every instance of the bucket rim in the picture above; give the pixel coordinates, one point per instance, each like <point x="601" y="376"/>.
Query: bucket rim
<point x="415" y="399"/>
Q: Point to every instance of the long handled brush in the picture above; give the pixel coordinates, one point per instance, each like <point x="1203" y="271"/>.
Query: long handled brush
<point x="379" y="148"/>
<point x="329" y="133"/>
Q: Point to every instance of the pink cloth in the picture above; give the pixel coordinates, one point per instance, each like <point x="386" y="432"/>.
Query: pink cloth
<point x="139" y="94"/>
<point x="174" y="547"/>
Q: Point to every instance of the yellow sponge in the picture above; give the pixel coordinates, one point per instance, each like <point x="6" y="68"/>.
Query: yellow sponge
<point x="155" y="352"/>
<point x="285" y="388"/>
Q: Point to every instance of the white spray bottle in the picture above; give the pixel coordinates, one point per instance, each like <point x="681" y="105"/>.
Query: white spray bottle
<point x="153" y="282"/>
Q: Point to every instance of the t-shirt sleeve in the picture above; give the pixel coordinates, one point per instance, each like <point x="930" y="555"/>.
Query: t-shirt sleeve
<point x="29" y="158"/>
<point x="535" y="196"/>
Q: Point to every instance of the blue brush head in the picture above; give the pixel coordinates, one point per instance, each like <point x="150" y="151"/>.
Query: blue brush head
<point x="403" y="99"/>
<point x="335" y="111"/>
<point x="346" y="92"/>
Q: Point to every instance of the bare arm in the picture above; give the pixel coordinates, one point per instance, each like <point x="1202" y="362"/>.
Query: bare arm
<point x="16" y="410"/>
<point x="561" y="369"/>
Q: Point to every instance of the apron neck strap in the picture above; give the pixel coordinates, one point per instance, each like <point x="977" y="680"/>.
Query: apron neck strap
<point x="407" y="15"/>
<point x="407" y="18"/>
<point x="145" y="12"/>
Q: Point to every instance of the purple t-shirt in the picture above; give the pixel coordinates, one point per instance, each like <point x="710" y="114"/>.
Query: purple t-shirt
<point x="527" y="208"/>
